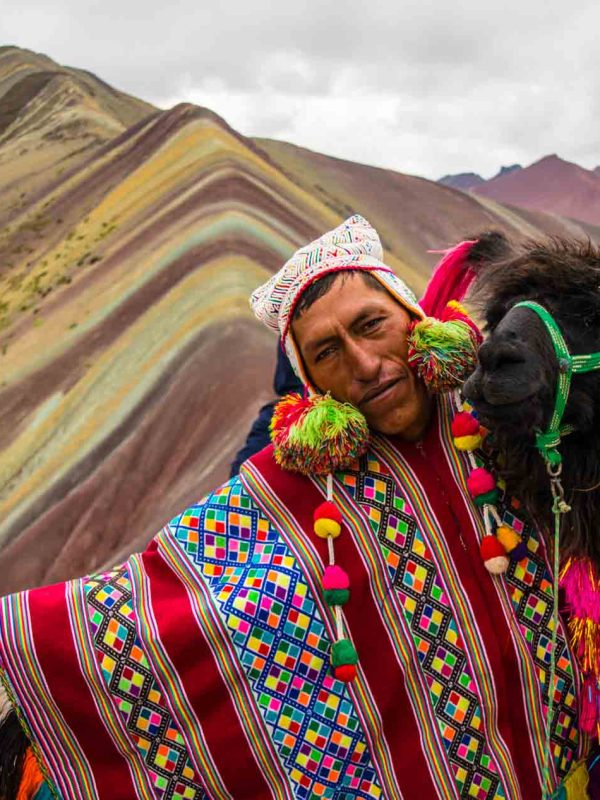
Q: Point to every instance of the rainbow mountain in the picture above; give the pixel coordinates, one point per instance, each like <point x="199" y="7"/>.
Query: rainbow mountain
<point x="130" y="239"/>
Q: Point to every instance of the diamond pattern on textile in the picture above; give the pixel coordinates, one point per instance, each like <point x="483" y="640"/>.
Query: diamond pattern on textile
<point x="281" y="644"/>
<point x="134" y="690"/>
<point x="433" y="627"/>
<point x="530" y="589"/>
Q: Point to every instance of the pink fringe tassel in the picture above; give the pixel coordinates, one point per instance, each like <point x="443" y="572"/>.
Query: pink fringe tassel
<point x="582" y="590"/>
<point x="450" y="280"/>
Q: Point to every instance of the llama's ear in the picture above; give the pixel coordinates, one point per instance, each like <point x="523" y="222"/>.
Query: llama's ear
<point x="489" y="246"/>
<point x="489" y="250"/>
<point x="455" y="272"/>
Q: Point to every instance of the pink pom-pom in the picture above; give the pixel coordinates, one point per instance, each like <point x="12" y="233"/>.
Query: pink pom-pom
<point x="328" y="510"/>
<point x="334" y="577"/>
<point x="480" y="481"/>
<point x="464" y="424"/>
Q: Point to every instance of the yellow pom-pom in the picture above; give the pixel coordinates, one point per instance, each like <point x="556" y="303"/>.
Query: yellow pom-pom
<point x="327" y="527"/>
<point x="468" y="442"/>
<point x="458" y="307"/>
<point x="508" y="537"/>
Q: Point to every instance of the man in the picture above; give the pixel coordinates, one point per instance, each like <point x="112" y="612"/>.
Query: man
<point x="219" y="663"/>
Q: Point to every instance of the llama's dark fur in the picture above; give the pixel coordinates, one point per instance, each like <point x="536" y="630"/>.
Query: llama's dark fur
<point x="13" y="746"/>
<point x="563" y="276"/>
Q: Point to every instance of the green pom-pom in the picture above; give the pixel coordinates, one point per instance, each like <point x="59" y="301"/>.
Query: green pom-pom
<point x="317" y="435"/>
<point x="343" y="652"/>
<point x="336" y="597"/>
<point x="443" y="353"/>
<point x="487" y="498"/>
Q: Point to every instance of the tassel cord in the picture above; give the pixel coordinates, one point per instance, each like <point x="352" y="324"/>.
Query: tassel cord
<point x="547" y="791"/>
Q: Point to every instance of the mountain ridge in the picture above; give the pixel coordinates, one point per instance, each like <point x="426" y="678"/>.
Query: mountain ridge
<point x="131" y="366"/>
<point x="551" y="184"/>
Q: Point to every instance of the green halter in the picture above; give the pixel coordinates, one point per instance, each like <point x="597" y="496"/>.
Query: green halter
<point x="548" y="441"/>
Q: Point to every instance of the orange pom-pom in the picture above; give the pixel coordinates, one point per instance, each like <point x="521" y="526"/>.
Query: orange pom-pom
<point x="508" y="537"/>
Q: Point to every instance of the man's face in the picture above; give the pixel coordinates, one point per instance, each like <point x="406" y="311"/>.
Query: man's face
<point x="353" y="342"/>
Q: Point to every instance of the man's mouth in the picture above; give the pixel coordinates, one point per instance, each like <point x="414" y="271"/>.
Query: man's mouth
<point x="381" y="391"/>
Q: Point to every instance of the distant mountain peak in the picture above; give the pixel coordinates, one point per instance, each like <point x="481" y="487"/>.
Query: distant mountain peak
<point x="507" y="170"/>
<point x="463" y="181"/>
<point x="550" y="184"/>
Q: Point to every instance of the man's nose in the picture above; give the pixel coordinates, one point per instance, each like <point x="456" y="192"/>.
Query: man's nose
<point x="364" y="362"/>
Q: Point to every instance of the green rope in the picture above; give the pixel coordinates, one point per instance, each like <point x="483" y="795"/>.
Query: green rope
<point x="550" y="715"/>
<point x="548" y="441"/>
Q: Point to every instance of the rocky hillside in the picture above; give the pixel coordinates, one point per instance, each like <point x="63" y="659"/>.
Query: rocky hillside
<point x="130" y="239"/>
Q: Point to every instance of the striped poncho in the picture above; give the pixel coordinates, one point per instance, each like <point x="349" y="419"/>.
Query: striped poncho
<point x="200" y="668"/>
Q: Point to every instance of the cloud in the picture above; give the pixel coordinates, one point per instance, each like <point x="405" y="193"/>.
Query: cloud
<point x="425" y="88"/>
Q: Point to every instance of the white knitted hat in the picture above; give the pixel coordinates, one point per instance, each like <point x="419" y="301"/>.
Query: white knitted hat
<point x="353" y="245"/>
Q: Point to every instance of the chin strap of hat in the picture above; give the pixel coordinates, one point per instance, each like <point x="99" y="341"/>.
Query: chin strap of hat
<point x="547" y="442"/>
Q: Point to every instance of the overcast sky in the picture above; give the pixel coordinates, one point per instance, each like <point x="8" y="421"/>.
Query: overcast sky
<point x="422" y="87"/>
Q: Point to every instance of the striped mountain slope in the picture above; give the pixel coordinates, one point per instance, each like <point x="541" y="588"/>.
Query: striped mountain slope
<point x="130" y="365"/>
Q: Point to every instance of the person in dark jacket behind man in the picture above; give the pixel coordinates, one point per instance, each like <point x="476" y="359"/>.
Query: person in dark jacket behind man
<point x="284" y="382"/>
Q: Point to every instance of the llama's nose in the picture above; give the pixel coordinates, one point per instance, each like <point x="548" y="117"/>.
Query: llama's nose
<point x="495" y="355"/>
<point x="472" y="388"/>
<point x="487" y="356"/>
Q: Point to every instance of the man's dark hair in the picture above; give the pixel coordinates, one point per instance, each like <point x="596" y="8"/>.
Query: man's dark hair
<point x="320" y="288"/>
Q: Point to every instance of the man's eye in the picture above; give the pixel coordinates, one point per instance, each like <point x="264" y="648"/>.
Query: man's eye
<point x="371" y="324"/>
<point x="324" y="353"/>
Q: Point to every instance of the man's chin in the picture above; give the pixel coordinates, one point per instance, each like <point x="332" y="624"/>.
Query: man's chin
<point x="408" y="420"/>
<point x="403" y="425"/>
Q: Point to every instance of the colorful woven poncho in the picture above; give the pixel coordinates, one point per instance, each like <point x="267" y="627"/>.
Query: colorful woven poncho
<point x="199" y="669"/>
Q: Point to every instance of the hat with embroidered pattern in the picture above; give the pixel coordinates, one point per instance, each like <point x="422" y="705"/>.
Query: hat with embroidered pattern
<point x="353" y="245"/>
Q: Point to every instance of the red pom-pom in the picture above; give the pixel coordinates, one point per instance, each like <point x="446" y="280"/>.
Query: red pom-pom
<point x="491" y="547"/>
<point x="345" y="673"/>
<point x="328" y="510"/>
<point x="480" y="481"/>
<point x="464" y="424"/>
